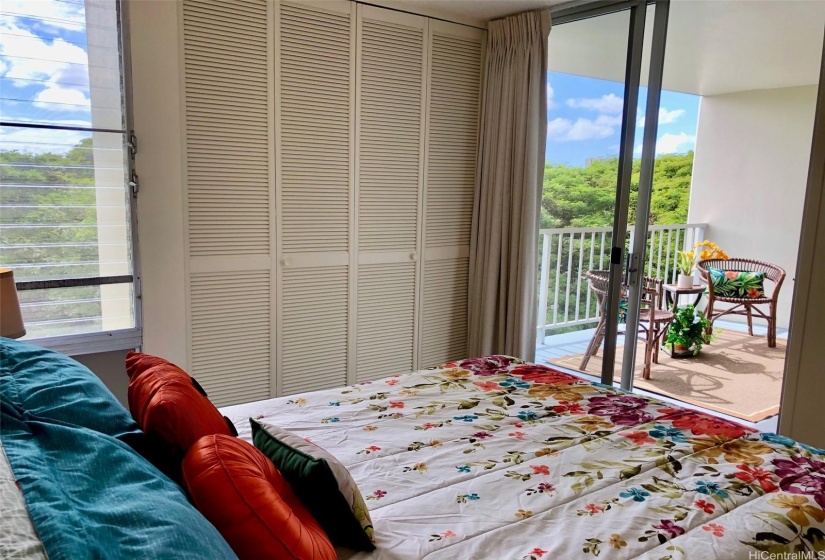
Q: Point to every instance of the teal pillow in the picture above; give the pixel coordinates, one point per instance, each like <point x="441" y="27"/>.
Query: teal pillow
<point x="90" y="496"/>
<point x="54" y="387"/>
<point x="321" y="482"/>
<point x="739" y="284"/>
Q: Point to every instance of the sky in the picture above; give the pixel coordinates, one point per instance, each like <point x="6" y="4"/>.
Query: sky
<point x="585" y="118"/>
<point x="44" y="74"/>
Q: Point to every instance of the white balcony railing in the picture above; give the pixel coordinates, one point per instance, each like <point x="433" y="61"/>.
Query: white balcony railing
<point x="567" y="254"/>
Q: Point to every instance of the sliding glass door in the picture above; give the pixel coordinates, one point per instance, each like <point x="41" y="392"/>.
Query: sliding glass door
<point x="591" y="262"/>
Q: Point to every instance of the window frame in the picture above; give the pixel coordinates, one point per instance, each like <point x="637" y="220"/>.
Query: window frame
<point x="119" y="339"/>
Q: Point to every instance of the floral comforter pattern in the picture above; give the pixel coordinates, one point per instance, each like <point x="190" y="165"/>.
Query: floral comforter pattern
<point x="494" y="458"/>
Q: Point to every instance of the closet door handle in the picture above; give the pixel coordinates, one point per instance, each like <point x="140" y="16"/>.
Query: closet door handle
<point x="414" y="256"/>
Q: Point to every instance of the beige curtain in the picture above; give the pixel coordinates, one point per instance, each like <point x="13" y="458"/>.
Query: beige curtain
<point x="504" y="244"/>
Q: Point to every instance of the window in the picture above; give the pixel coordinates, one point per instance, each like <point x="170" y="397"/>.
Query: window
<point x="65" y="195"/>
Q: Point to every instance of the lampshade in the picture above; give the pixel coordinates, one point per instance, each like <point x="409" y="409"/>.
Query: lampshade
<point x="11" y="321"/>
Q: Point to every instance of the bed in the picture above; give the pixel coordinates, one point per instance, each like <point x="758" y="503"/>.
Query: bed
<point x="494" y="458"/>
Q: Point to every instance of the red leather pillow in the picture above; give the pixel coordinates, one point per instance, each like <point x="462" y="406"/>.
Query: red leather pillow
<point x="169" y="405"/>
<point x="244" y="496"/>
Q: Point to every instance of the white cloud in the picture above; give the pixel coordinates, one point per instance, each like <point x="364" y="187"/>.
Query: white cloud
<point x="609" y="103"/>
<point x="665" y="116"/>
<point x="71" y="99"/>
<point x="671" y="144"/>
<point x="38" y="141"/>
<point x="550" y="93"/>
<point x="35" y="58"/>
<point x="675" y="143"/>
<point x="67" y="15"/>
<point x="565" y="130"/>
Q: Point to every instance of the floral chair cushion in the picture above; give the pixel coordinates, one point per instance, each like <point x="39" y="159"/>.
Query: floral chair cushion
<point x="738" y="284"/>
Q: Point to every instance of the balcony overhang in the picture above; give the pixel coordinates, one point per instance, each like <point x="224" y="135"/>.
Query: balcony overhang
<point x="713" y="46"/>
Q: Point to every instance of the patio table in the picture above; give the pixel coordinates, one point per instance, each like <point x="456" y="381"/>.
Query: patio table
<point x="673" y="291"/>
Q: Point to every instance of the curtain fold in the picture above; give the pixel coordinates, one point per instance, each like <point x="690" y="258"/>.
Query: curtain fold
<point x="504" y="244"/>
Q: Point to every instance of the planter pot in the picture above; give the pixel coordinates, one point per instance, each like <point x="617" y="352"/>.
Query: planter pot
<point x="685" y="281"/>
<point x="680" y="351"/>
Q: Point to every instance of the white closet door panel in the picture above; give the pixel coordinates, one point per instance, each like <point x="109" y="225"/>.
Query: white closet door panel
<point x="315" y="128"/>
<point x="390" y="110"/>
<point x="315" y="318"/>
<point x="226" y="73"/>
<point x="455" y="84"/>
<point x="386" y="308"/>
<point x="315" y="72"/>
<point x="452" y="137"/>
<point x="444" y="312"/>
<point x="231" y="333"/>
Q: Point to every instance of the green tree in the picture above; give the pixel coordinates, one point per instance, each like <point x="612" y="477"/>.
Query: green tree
<point x="586" y="197"/>
<point x="49" y="217"/>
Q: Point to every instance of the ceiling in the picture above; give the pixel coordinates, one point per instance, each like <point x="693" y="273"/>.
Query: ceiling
<point x="475" y="12"/>
<point x="713" y="46"/>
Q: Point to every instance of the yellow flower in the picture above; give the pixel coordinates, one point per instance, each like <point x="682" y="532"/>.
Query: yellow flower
<point x="616" y="541"/>
<point x="370" y="428"/>
<point x="734" y="451"/>
<point x="592" y="423"/>
<point x="799" y="510"/>
<point x="524" y="513"/>
<point x="455" y="374"/>
<point x="690" y="254"/>
<point x="420" y="467"/>
<point x="547" y="451"/>
<point x="561" y="392"/>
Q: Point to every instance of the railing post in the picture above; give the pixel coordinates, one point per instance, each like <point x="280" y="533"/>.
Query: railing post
<point x="543" y="286"/>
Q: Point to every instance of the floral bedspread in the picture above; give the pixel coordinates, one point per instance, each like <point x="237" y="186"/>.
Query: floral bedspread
<point x="494" y="458"/>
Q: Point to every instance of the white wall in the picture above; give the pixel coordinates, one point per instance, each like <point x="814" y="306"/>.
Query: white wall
<point x="750" y="173"/>
<point x="110" y="367"/>
<point x="156" y="86"/>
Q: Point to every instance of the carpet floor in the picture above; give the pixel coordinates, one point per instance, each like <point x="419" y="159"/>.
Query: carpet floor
<point x="736" y="375"/>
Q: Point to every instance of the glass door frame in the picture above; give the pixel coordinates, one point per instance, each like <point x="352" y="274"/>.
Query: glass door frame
<point x="626" y="266"/>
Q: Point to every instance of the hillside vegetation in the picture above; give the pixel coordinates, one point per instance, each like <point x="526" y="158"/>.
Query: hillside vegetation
<point x="586" y="196"/>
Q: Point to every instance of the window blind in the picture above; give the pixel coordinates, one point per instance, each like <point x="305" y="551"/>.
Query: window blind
<point x="64" y="160"/>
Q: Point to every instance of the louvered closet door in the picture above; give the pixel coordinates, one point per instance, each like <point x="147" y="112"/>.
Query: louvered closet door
<point x="452" y="138"/>
<point x="228" y="196"/>
<point x="316" y="105"/>
<point x="389" y="180"/>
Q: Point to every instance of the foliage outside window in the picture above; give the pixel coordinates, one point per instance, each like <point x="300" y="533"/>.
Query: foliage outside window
<point x="64" y="197"/>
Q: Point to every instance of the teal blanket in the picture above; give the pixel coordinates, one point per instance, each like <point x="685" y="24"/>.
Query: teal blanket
<point x="88" y="494"/>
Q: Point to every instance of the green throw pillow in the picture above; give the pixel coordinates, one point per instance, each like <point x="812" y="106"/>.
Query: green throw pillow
<point x="321" y="482"/>
<point x="737" y="283"/>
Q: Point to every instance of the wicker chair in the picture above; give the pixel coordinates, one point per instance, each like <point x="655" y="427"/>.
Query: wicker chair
<point x="653" y="320"/>
<point x="743" y="306"/>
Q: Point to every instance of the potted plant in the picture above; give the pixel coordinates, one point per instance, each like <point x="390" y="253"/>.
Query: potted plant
<point x="686" y="261"/>
<point x="688" y="332"/>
